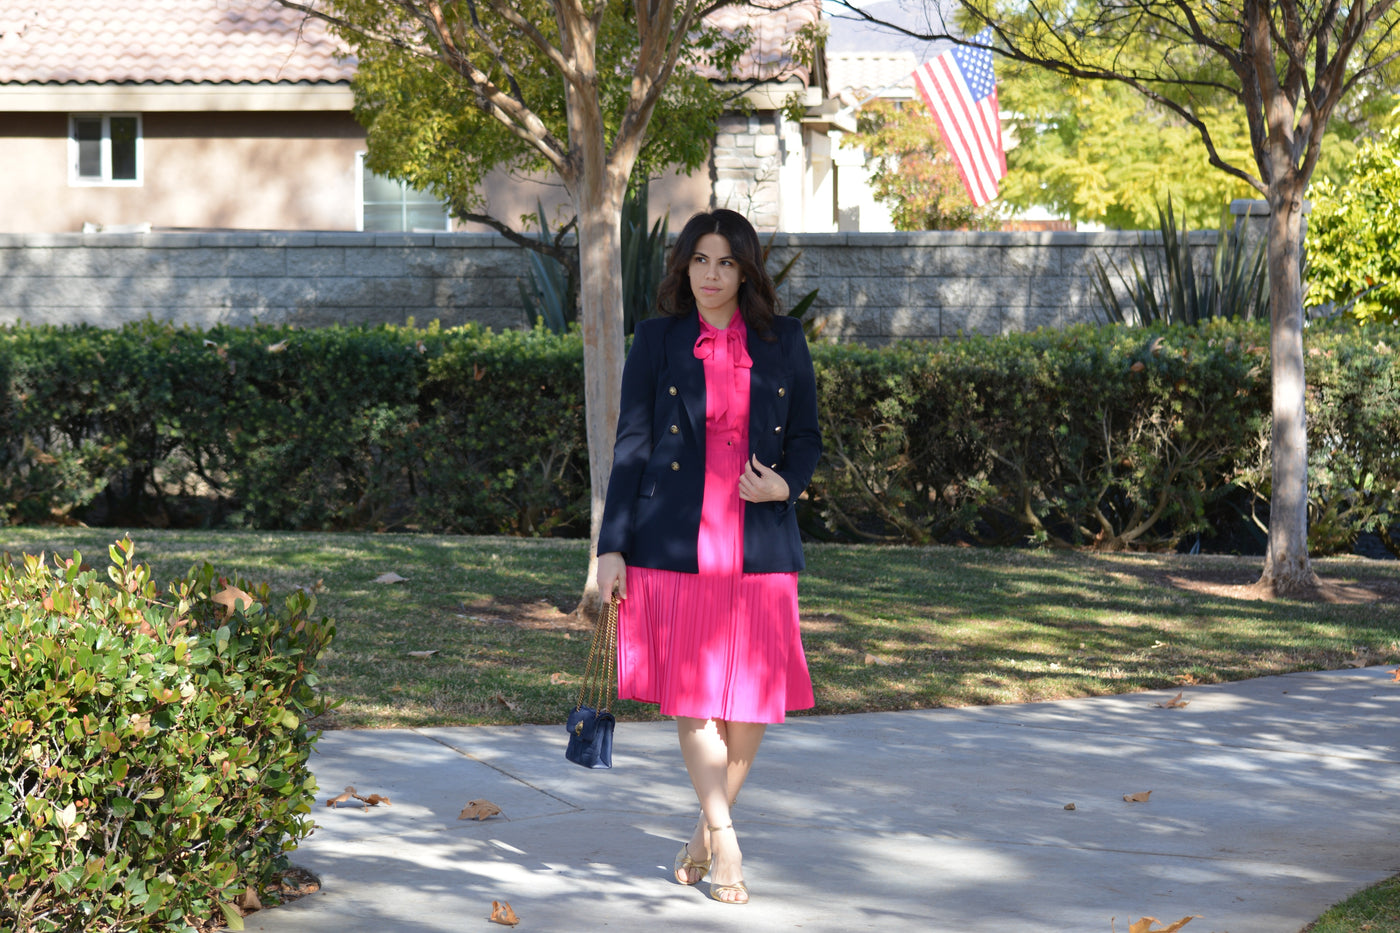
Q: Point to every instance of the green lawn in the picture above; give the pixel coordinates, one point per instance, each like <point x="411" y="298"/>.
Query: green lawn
<point x="884" y="628"/>
<point x="1374" y="910"/>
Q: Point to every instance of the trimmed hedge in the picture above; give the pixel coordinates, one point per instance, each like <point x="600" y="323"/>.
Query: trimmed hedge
<point x="153" y="751"/>
<point x="1105" y="437"/>
<point x="1110" y="437"/>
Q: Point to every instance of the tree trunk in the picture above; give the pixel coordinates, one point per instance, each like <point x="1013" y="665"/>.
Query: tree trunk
<point x="600" y="258"/>
<point x="597" y="185"/>
<point x="1286" y="567"/>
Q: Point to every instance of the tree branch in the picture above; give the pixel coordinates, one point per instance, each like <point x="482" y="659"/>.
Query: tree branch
<point x="513" y="114"/>
<point x="538" y="40"/>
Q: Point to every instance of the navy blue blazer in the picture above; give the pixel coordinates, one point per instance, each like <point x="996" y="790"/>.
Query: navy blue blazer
<point x="652" y="511"/>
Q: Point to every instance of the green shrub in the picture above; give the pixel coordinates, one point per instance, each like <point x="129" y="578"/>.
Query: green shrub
<point x="153" y="748"/>
<point x="1353" y="412"/>
<point x="312" y="429"/>
<point x="1110" y="437"/>
<point x="1106" y="437"/>
<point x="501" y="438"/>
<point x="1353" y="236"/>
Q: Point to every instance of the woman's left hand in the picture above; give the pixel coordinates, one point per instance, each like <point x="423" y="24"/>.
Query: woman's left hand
<point x="760" y="484"/>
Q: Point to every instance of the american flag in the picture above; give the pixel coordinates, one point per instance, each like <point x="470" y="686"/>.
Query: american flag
<point x="961" y="90"/>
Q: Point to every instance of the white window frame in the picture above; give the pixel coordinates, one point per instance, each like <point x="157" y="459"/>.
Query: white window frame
<point x="105" y="180"/>
<point x="360" y="198"/>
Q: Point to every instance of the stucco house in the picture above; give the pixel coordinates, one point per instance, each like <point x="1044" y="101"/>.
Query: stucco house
<point x="235" y="114"/>
<point x="173" y="113"/>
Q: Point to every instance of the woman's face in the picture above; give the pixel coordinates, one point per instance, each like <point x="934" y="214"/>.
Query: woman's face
<point x="714" y="278"/>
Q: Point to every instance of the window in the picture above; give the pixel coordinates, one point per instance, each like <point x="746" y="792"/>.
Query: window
<point x="386" y="204"/>
<point x="104" y="149"/>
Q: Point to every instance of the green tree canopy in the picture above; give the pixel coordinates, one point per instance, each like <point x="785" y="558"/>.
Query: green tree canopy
<point x="425" y="126"/>
<point x="1354" y="235"/>
<point x="1101" y="152"/>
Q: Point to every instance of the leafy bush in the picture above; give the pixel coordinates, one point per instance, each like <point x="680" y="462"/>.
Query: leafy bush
<point x="154" y="748"/>
<point x="1107" y="437"/>
<point x="1353" y="412"/>
<point x="1353" y="236"/>
<point x="501" y="437"/>
<point x="312" y="423"/>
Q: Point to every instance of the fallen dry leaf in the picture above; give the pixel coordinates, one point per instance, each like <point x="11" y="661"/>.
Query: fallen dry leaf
<point x="500" y="698"/>
<point x="501" y="913"/>
<point x="1145" y="925"/>
<point x="389" y="577"/>
<point x="349" y="792"/>
<point x="248" y="901"/>
<point x="424" y="654"/>
<point x="1140" y="797"/>
<point x="1175" y="702"/>
<point x="230" y="597"/>
<point x="478" y="810"/>
<point x="878" y="659"/>
<point x="277" y="347"/>
<point x="559" y="677"/>
<point x="1070" y="806"/>
<point x="1395" y="675"/>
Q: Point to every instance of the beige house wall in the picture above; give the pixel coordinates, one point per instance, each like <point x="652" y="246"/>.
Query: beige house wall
<point x="509" y="198"/>
<point x="263" y="171"/>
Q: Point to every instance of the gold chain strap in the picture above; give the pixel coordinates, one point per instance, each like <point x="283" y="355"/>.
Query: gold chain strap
<point x="600" y="674"/>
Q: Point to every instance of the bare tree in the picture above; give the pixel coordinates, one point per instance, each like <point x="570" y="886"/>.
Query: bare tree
<point x="494" y="49"/>
<point x="1288" y="63"/>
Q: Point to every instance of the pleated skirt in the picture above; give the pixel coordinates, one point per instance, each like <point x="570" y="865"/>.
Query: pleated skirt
<point x="721" y="643"/>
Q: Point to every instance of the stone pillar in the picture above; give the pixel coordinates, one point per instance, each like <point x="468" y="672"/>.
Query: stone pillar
<point x="745" y="164"/>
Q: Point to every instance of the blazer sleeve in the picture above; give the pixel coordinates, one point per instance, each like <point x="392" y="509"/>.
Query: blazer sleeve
<point x="803" y="447"/>
<point x="632" y="448"/>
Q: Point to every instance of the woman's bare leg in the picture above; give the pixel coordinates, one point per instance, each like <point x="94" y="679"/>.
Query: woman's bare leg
<point x="718" y="756"/>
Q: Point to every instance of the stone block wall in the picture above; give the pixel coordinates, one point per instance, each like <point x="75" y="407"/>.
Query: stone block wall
<point x="311" y="279"/>
<point x="872" y="287"/>
<point x="878" y="287"/>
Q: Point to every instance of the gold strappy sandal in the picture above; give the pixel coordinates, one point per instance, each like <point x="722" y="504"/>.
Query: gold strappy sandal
<point x="736" y="893"/>
<point x="686" y="864"/>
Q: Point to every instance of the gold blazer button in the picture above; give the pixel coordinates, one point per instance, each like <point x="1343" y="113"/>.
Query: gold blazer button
<point x="778" y="429"/>
<point x="675" y="429"/>
<point x="675" y="465"/>
<point x="781" y="392"/>
<point x="672" y="390"/>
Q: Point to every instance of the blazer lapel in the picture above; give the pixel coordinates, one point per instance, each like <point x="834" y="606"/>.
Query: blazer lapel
<point x="688" y="373"/>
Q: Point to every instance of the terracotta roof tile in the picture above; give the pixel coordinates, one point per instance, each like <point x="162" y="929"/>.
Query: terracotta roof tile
<point x="767" y="59"/>
<point x="239" y="41"/>
<point x="164" y="41"/>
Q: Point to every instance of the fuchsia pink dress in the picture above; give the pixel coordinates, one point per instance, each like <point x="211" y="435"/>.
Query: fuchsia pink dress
<point x="720" y="644"/>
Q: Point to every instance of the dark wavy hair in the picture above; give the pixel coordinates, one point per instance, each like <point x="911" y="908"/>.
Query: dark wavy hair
<point x="758" y="297"/>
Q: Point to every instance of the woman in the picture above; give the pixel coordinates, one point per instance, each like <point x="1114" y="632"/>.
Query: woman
<point x="716" y="439"/>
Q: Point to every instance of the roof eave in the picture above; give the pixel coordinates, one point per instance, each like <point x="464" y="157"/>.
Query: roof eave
<point x="154" y="98"/>
<point x="772" y="95"/>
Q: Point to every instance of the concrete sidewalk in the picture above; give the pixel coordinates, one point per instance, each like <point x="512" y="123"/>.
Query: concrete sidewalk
<point x="1271" y="800"/>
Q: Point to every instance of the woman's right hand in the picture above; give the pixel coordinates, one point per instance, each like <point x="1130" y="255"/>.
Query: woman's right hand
<point x="612" y="574"/>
